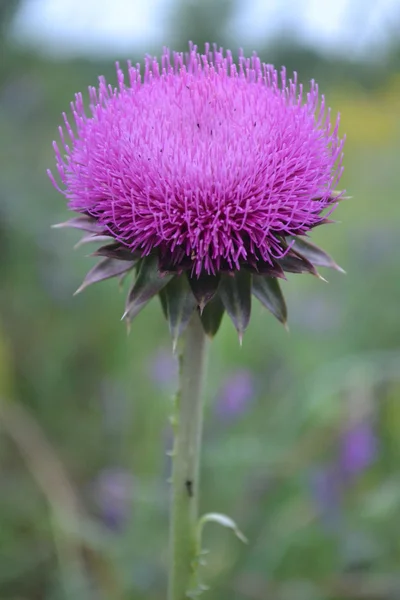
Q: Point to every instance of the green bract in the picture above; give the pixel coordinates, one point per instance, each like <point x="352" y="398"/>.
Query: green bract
<point x="181" y="293"/>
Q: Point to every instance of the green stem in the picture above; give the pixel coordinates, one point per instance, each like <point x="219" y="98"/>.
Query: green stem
<point x="186" y="458"/>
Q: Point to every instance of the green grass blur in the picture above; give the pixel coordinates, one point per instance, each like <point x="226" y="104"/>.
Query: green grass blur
<point x="84" y="414"/>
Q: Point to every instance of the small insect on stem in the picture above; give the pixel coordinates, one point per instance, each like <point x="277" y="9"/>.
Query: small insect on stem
<point x="189" y="487"/>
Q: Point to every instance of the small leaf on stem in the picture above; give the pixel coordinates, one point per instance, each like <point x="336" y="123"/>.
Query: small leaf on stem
<point x="223" y="520"/>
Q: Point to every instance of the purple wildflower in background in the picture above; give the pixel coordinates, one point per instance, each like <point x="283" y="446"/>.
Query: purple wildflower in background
<point x="327" y="493"/>
<point x="112" y="492"/>
<point x="206" y="167"/>
<point x="164" y="369"/>
<point x="358" y="448"/>
<point x="235" y="395"/>
<point x="356" y="451"/>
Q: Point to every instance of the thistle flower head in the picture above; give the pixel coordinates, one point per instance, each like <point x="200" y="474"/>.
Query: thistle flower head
<point x="208" y="165"/>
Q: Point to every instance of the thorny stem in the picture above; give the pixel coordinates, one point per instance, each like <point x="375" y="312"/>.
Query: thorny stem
<point x="187" y="423"/>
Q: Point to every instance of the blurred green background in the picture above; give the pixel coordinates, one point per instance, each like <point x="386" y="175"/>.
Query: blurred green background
<point x="302" y="430"/>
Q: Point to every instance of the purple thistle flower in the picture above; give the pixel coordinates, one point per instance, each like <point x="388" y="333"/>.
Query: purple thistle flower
<point x="202" y="159"/>
<point x="209" y="167"/>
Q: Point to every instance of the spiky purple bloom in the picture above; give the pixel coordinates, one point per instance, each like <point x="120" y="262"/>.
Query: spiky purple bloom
<point x="202" y="159"/>
<point x="209" y="165"/>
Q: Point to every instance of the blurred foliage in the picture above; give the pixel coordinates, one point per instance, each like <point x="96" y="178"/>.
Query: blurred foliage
<point x="8" y="8"/>
<point x="306" y="460"/>
<point x="190" y="20"/>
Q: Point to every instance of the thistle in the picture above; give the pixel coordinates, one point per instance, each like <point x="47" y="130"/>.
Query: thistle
<point x="202" y="179"/>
